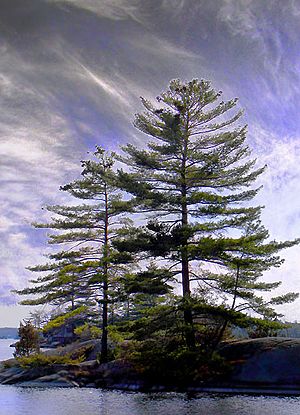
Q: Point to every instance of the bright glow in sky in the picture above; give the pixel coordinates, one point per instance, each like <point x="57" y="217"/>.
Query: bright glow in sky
<point x="72" y="71"/>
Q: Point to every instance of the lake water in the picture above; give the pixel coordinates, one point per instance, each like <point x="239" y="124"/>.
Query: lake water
<point x="57" y="401"/>
<point x="6" y="352"/>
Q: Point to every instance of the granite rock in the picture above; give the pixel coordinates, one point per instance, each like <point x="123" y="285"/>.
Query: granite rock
<point x="264" y="361"/>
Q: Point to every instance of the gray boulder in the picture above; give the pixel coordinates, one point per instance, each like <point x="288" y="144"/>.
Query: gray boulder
<point x="264" y="362"/>
<point x="54" y="380"/>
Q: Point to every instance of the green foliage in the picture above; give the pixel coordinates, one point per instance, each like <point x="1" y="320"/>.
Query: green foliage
<point x="167" y="362"/>
<point x="193" y="180"/>
<point x="89" y="269"/>
<point x="29" y="340"/>
<point x="88" y="331"/>
<point x="38" y="360"/>
<point x="264" y="328"/>
<point x="8" y="364"/>
<point x="62" y="319"/>
<point x="190" y="189"/>
<point x="116" y="336"/>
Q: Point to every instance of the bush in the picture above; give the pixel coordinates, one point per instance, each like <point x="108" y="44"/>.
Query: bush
<point x="87" y="332"/>
<point x="264" y="328"/>
<point x="164" y="361"/>
<point x="63" y="319"/>
<point x="29" y="340"/>
<point x="8" y="364"/>
<point x="40" y="359"/>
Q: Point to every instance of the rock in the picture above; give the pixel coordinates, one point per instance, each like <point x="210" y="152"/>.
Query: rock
<point x="265" y="361"/>
<point x="54" y="380"/>
<point x="89" y="349"/>
<point x="89" y="365"/>
<point x="5" y="364"/>
<point x="9" y="373"/>
<point x="89" y="372"/>
<point x="90" y="385"/>
<point x="50" y="378"/>
<point x="257" y="364"/>
<point x="21" y="375"/>
<point x="117" y="374"/>
<point x="11" y="380"/>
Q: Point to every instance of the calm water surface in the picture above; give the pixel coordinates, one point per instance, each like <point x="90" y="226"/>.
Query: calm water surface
<point x="57" y="401"/>
<point x="6" y="352"/>
<point x="27" y="401"/>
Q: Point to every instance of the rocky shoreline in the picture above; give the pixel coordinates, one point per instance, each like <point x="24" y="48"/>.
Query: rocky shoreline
<point x="268" y="366"/>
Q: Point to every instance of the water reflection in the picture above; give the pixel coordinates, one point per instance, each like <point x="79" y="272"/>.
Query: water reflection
<point x="28" y="401"/>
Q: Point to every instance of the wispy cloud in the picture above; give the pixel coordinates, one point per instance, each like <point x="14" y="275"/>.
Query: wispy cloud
<point x="105" y="84"/>
<point x="281" y="192"/>
<point x="71" y="75"/>
<point x="269" y="34"/>
<point x="111" y="9"/>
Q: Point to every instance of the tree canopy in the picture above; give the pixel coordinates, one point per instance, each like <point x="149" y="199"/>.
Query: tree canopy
<point x="181" y="212"/>
<point x="194" y="181"/>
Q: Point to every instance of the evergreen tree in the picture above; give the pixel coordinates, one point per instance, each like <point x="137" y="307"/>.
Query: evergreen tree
<point x="29" y="340"/>
<point x="89" y="267"/>
<point x="194" y="183"/>
<point x="64" y="284"/>
<point x="145" y="289"/>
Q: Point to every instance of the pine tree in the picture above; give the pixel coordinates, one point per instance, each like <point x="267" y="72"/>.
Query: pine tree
<point x="241" y="283"/>
<point x="63" y="285"/>
<point x="194" y="182"/>
<point x="88" y="268"/>
<point x="29" y="340"/>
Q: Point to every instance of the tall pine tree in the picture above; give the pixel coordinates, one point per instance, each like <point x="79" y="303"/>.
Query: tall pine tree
<point x="194" y="183"/>
<point x="88" y="268"/>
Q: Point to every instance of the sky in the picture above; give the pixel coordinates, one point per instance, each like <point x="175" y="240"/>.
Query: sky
<point x="72" y="72"/>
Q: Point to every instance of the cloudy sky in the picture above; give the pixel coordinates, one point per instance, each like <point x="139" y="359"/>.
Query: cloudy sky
<point x="72" y="72"/>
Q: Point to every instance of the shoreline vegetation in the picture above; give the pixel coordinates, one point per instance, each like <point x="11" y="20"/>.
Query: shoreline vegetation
<point x="268" y="366"/>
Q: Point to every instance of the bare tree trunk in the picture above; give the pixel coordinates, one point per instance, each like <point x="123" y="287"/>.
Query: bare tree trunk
<point x="104" y="347"/>
<point x="225" y="324"/>
<point x="186" y="292"/>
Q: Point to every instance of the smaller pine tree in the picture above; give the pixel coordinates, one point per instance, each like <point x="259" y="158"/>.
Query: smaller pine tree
<point x="29" y="340"/>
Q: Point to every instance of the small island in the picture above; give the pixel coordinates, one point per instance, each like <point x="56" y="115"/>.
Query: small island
<point x="162" y="263"/>
<point x="267" y="366"/>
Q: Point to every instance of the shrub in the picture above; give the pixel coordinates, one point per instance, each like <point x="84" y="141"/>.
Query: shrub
<point x="40" y="359"/>
<point x="62" y="319"/>
<point x="87" y="331"/>
<point x="7" y="364"/>
<point x="29" y="340"/>
<point x="164" y="361"/>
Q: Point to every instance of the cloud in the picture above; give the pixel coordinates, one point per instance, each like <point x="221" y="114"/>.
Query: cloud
<point x="270" y="34"/>
<point x="16" y="253"/>
<point x="111" y="9"/>
<point x="71" y="74"/>
<point x="162" y="48"/>
<point x="281" y="180"/>
<point x="35" y="158"/>
<point x="105" y="84"/>
<point x="240" y="17"/>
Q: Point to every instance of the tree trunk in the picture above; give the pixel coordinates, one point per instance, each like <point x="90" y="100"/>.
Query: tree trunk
<point x="104" y="348"/>
<point x="186" y="292"/>
<point x="225" y="324"/>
